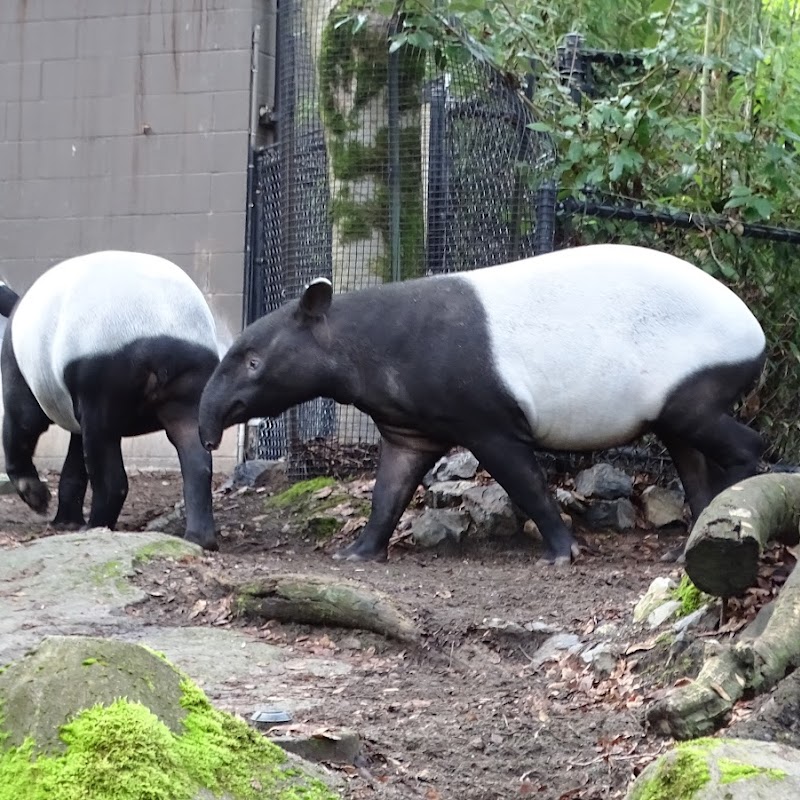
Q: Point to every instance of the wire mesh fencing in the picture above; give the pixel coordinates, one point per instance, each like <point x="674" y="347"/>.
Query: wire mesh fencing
<point x="385" y="168"/>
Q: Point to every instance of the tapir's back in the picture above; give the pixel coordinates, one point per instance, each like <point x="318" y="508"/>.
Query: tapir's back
<point x="591" y="340"/>
<point x="95" y="305"/>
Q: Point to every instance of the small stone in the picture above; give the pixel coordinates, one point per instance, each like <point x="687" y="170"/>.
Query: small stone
<point x="254" y="473"/>
<point x="605" y="630"/>
<point x="659" y="590"/>
<point x="476" y="743"/>
<point x="662" y="506"/>
<point x="461" y="465"/>
<point x="338" y="746"/>
<point x="602" y="657"/>
<point x="567" y="499"/>
<point x="661" y="614"/>
<point x="604" y="481"/>
<point x="492" y="511"/>
<point x="496" y="738"/>
<point x="503" y="625"/>
<point x="351" y="643"/>
<point x="700" y="618"/>
<point x="436" y="525"/>
<point x="616" y="515"/>
<point x="537" y="626"/>
<point x="554" y="647"/>
<point x="446" y="494"/>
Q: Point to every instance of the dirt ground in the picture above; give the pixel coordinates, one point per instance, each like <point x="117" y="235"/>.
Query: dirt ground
<point x="469" y="715"/>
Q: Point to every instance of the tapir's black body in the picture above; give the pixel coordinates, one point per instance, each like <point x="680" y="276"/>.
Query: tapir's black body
<point x="441" y="362"/>
<point x="124" y="378"/>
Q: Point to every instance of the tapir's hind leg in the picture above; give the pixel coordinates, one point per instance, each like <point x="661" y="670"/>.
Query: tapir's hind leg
<point x="695" y="418"/>
<point x="513" y="464"/>
<point x="72" y="487"/>
<point x="103" y="452"/>
<point x="400" y="471"/>
<point x="180" y="423"/>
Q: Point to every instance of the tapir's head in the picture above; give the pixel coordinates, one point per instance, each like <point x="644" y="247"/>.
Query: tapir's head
<point x="277" y="362"/>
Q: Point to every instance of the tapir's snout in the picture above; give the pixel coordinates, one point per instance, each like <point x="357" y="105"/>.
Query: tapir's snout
<point x="219" y="409"/>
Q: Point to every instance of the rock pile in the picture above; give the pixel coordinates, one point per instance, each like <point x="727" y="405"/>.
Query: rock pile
<point x="461" y="501"/>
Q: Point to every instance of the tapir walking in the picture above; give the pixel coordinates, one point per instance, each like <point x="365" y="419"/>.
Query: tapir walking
<point x="580" y="349"/>
<point x="107" y="345"/>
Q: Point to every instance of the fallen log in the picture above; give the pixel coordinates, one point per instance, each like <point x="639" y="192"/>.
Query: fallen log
<point x="314" y="600"/>
<point x="756" y="663"/>
<point x="723" y="549"/>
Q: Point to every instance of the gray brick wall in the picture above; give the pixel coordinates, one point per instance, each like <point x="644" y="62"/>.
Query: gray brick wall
<point x="125" y="125"/>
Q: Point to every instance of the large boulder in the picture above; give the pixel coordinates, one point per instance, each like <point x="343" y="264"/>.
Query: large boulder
<point x="84" y="718"/>
<point x="721" y="769"/>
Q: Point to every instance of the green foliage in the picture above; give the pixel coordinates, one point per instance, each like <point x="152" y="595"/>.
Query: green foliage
<point x="690" y="597"/>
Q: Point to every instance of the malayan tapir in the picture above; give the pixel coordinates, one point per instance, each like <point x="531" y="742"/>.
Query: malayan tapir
<point x="107" y="345"/>
<point x="580" y="349"/>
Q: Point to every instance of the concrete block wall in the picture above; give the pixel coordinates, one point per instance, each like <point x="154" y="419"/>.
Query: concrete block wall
<point x="125" y="125"/>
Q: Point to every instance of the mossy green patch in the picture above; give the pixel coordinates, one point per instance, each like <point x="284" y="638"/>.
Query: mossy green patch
<point x="299" y="493"/>
<point x="168" y="547"/>
<point x="681" y="774"/>
<point x="123" y="750"/>
<point x="320" y="527"/>
<point x="109" y="572"/>
<point x="689" y="596"/>
<point x="732" y="771"/>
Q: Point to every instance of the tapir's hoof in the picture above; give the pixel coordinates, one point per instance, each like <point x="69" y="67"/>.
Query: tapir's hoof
<point x="34" y="493"/>
<point x="552" y="559"/>
<point x="67" y="525"/>
<point x="205" y="541"/>
<point x="355" y="553"/>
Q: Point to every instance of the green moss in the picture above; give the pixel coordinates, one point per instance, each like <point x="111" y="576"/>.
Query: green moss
<point x="681" y="774"/>
<point x="689" y="596"/>
<point x="299" y="492"/>
<point x="322" y="527"/>
<point x="87" y="662"/>
<point x="732" y="771"/>
<point x="107" y="572"/>
<point x="171" y="547"/>
<point x="122" y="751"/>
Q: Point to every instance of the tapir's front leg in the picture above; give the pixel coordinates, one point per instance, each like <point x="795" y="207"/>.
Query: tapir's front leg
<point x="72" y="487"/>
<point x="400" y="471"/>
<point x="180" y="423"/>
<point x="512" y="462"/>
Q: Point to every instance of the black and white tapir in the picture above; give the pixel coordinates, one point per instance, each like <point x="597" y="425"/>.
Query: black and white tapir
<point x="580" y="349"/>
<point x="107" y="345"/>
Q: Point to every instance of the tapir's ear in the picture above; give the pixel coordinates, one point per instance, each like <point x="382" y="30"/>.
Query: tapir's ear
<point x="316" y="299"/>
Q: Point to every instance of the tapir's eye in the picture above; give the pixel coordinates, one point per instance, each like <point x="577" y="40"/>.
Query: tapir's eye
<point x="253" y="364"/>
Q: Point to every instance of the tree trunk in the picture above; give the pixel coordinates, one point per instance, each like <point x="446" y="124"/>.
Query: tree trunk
<point x="309" y="599"/>
<point x="755" y="662"/>
<point x="724" y="547"/>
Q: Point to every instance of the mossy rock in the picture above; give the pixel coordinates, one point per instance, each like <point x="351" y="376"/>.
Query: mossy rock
<point x="83" y="718"/>
<point x="721" y="769"/>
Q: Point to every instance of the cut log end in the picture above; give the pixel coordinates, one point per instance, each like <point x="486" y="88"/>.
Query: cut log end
<point x="723" y="567"/>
